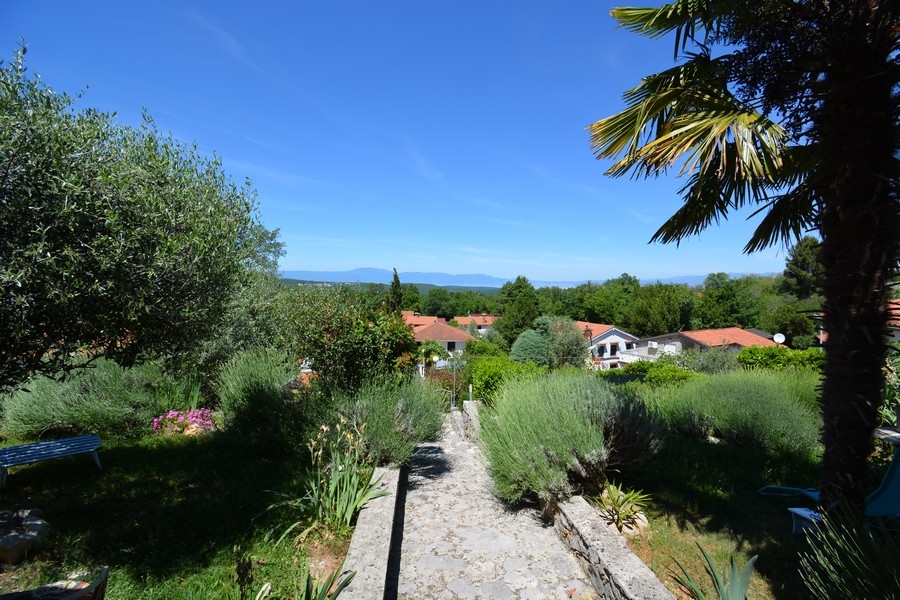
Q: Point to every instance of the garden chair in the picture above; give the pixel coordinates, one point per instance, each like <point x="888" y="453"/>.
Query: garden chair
<point x="883" y="502"/>
<point x="69" y="589"/>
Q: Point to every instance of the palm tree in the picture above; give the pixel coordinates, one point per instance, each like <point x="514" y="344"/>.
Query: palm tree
<point x="798" y="118"/>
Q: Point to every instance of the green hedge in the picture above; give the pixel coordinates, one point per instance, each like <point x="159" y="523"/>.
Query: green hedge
<point x="487" y="374"/>
<point x="779" y="357"/>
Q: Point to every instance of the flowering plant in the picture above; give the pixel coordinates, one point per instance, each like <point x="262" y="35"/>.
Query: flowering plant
<point x="196" y="420"/>
<point x="339" y="482"/>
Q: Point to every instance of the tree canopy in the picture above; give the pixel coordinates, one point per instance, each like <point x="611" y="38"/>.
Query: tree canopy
<point x="116" y="241"/>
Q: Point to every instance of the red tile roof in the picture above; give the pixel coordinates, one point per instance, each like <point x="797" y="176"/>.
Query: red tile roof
<point x="727" y="336"/>
<point x="415" y="320"/>
<point x="481" y="319"/>
<point x="596" y="328"/>
<point x="441" y="332"/>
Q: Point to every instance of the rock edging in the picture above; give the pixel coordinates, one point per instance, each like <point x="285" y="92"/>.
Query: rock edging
<point x="614" y="570"/>
<point x="370" y="546"/>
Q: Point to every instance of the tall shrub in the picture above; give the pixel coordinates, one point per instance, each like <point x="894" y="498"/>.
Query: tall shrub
<point x="763" y="408"/>
<point x="260" y="404"/>
<point x="548" y="437"/>
<point x="397" y="416"/>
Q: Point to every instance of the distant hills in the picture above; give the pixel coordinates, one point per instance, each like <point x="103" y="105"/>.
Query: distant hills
<point x="369" y="275"/>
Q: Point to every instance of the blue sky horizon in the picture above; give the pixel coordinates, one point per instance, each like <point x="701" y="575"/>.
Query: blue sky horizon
<point x="418" y="136"/>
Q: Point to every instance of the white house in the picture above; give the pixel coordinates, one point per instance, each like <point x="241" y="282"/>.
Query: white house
<point x="606" y="343"/>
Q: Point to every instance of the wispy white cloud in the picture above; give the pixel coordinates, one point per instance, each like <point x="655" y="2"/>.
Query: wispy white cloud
<point x="421" y="165"/>
<point x="286" y="177"/>
<point x="223" y="40"/>
<point x="507" y="222"/>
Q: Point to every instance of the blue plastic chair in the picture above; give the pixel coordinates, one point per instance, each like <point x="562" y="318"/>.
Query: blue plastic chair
<point x="883" y="502"/>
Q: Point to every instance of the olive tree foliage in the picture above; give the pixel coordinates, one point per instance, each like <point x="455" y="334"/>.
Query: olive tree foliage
<point x="567" y="344"/>
<point x="337" y="333"/>
<point x="114" y="241"/>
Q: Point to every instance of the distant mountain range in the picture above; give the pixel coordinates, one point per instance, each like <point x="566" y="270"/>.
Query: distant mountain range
<point x="368" y="275"/>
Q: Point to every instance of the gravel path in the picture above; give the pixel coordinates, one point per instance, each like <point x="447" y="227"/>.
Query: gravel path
<point x="459" y="541"/>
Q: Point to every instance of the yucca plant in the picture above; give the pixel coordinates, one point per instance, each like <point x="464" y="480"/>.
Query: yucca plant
<point x="727" y="584"/>
<point x="621" y="508"/>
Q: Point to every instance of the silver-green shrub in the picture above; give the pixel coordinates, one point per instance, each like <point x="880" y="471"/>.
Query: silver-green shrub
<point x="773" y="410"/>
<point x="106" y="399"/>
<point x="258" y="405"/>
<point x="549" y="437"/>
<point x="397" y="416"/>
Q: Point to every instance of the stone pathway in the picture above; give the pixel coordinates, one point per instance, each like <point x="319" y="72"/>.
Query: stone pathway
<point x="459" y="541"/>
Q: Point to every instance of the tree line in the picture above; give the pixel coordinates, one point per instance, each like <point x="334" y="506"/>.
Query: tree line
<point x="788" y="303"/>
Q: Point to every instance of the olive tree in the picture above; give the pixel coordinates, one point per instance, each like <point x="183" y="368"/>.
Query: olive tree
<point x="114" y="241"/>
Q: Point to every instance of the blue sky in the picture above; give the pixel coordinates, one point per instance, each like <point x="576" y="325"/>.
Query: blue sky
<point x="421" y="136"/>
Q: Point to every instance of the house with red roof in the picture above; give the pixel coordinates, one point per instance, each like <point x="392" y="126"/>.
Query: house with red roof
<point x="606" y="342"/>
<point x="733" y="338"/>
<point x="480" y="323"/>
<point x="428" y="328"/>
<point x="451" y="338"/>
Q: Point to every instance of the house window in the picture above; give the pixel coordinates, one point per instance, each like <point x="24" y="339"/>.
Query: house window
<point x="613" y="349"/>
<point x="451" y="346"/>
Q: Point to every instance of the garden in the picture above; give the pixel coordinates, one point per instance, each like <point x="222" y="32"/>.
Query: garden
<point x="256" y="494"/>
<point x="688" y="443"/>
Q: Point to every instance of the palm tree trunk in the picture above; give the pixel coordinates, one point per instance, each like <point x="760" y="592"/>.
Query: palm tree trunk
<point x="858" y="184"/>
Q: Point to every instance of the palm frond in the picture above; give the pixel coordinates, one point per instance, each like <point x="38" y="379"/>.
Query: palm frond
<point x="684" y="17"/>
<point x="787" y="218"/>
<point x="686" y="118"/>
<point x="790" y="214"/>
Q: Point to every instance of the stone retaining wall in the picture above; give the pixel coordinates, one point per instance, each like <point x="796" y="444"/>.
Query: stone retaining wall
<point x="370" y="545"/>
<point x="614" y="570"/>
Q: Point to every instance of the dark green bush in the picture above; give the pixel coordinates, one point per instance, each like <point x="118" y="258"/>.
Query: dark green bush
<point x="780" y="357"/>
<point x="106" y="399"/>
<point x="487" y="374"/>
<point x="549" y="437"/>
<point x="397" y="416"/>
<point x="764" y="408"/>
<point x="662" y="374"/>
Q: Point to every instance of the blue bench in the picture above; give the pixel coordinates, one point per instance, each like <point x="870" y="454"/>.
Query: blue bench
<point x="38" y="451"/>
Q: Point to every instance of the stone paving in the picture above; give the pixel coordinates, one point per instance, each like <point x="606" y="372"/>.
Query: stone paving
<point x="460" y="541"/>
